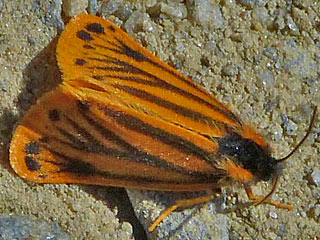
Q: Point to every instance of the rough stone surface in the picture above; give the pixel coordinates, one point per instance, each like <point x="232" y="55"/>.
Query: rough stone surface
<point x="265" y="67"/>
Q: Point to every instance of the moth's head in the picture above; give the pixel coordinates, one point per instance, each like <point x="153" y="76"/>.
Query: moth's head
<point x="251" y="157"/>
<point x="268" y="169"/>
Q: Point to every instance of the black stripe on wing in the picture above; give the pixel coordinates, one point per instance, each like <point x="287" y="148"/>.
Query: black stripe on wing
<point x="151" y="80"/>
<point x="123" y="49"/>
<point x="78" y="138"/>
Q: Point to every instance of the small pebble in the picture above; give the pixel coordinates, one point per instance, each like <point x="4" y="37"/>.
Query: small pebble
<point x="315" y="177"/>
<point x="72" y="8"/>
<point x="93" y="7"/>
<point x="290" y="127"/>
<point x="138" y="21"/>
<point x="271" y="53"/>
<point x="110" y="7"/>
<point x="291" y="25"/>
<point x="273" y="215"/>
<point x="261" y="15"/>
<point x="265" y="79"/>
<point x="172" y="11"/>
<point x="205" y="13"/>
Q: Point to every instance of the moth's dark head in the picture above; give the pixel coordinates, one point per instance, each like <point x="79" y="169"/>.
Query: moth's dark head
<point x="251" y="156"/>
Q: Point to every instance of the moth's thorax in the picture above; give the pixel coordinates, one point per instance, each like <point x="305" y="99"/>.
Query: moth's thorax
<point x="250" y="156"/>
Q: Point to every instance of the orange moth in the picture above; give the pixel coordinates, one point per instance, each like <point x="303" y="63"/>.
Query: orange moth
<point x="121" y="117"/>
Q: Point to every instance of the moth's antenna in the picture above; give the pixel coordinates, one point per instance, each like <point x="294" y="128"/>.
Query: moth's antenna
<point x="304" y="138"/>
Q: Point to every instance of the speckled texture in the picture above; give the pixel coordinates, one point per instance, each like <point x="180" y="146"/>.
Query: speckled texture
<point x="26" y="227"/>
<point x="263" y="59"/>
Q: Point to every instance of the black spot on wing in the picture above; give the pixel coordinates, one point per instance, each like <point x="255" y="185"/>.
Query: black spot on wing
<point x="95" y="28"/>
<point x="54" y="115"/>
<point x="32" y="164"/>
<point x="112" y="28"/>
<point x="32" y="148"/>
<point x="85" y="36"/>
<point x="83" y="105"/>
<point x="80" y="62"/>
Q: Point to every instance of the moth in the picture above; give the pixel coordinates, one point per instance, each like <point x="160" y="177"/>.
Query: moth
<point x="121" y="117"/>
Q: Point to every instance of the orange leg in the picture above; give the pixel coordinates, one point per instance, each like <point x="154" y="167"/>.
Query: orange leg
<point x="261" y="199"/>
<point x="180" y="203"/>
<point x="193" y="201"/>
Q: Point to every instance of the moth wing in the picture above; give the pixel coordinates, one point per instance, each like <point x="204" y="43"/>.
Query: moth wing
<point x="67" y="139"/>
<point x="111" y="63"/>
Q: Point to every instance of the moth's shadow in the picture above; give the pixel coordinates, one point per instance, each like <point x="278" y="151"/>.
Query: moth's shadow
<point x="40" y="76"/>
<point x="166" y="200"/>
<point x="118" y="198"/>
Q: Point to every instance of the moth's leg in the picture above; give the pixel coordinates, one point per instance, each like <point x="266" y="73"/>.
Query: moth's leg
<point x="180" y="203"/>
<point x="260" y="199"/>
